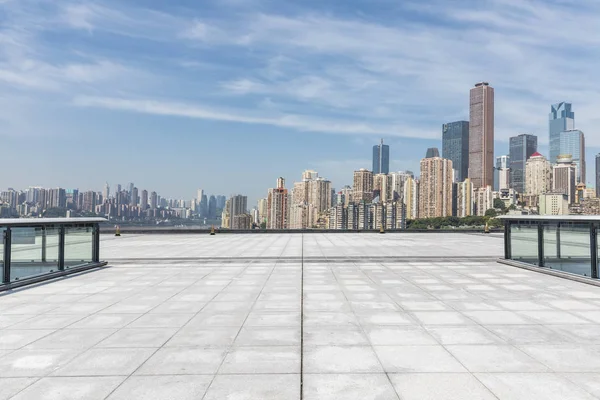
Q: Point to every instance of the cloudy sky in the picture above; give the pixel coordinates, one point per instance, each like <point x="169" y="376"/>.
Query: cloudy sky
<point x="228" y="95"/>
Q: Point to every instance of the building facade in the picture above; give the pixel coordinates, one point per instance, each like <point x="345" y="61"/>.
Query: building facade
<point x="561" y="119"/>
<point x="538" y="175"/>
<point x="411" y="197"/>
<point x="564" y="177"/>
<point x="435" y="197"/>
<point x="363" y="186"/>
<point x="455" y="147"/>
<point x="481" y="135"/>
<point x="573" y="142"/>
<point x="381" y="158"/>
<point x="521" y="147"/>
<point x="432" y="152"/>
<point x="483" y="199"/>
<point x="554" y="203"/>
<point x="597" y="175"/>
<point x="502" y="173"/>
<point x="464" y="198"/>
<point x="277" y="212"/>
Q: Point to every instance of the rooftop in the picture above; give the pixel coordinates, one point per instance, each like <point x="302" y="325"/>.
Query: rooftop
<point x="313" y="316"/>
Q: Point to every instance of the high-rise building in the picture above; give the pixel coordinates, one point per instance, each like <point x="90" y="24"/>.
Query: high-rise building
<point x="144" y="200"/>
<point x="221" y="202"/>
<point x="521" y="148"/>
<point x="199" y="195"/>
<point x="561" y="119"/>
<point x="133" y="201"/>
<point x="573" y="142"/>
<point x="502" y="173"/>
<point x="484" y="200"/>
<point x="397" y="182"/>
<point x="309" y="174"/>
<point x="238" y="205"/>
<point x="241" y="221"/>
<point x="432" y="152"/>
<point x="598" y="175"/>
<point x="131" y="186"/>
<point x="411" y="197"/>
<point x="106" y="191"/>
<point x="455" y="147"/>
<point x="263" y="210"/>
<point x="538" y="175"/>
<point x="212" y="207"/>
<point x="89" y="201"/>
<point x="381" y="158"/>
<point x="382" y="187"/>
<point x="345" y="196"/>
<point x="564" y="177"/>
<point x="435" y="197"/>
<point x="277" y="206"/>
<point x="363" y="186"/>
<point x="58" y="198"/>
<point x="153" y="200"/>
<point x="481" y="135"/>
<point x="464" y="198"/>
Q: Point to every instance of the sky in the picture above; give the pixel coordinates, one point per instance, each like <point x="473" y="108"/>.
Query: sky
<point x="229" y="95"/>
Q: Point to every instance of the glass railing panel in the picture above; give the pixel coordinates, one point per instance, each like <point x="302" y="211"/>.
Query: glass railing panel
<point x="34" y="251"/>
<point x="574" y="245"/>
<point x="2" y="230"/>
<point x="524" y="242"/>
<point x="78" y="246"/>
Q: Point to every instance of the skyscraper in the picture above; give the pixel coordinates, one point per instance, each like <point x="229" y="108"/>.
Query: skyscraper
<point x="381" y="158"/>
<point x="278" y="206"/>
<point x="455" y="147"/>
<point x="481" y="135"/>
<point x="238" y="205"/>
<point x="212" y="207"/>
<point x="144" y="200"/>
<point x="573" y="143"/>
<point x="464" y="198"/>
<point x="521" y="148"/>
<point x="561" y="118"/>
<point x="538" y="175"/>
<point x="435" y="197"/>
<point x="133" y="201"/>
<point x="153" y="200"/>
<point x="564" y="176"/>
<point x="502" y="173"/>
<point x="106" y="191"/>
<point x="363" y="186"/>
<point x="432" y="152"/>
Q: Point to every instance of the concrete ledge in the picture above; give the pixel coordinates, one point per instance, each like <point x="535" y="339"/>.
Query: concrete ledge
<point x="143" y="230"/>
<point x="553" y="272"/>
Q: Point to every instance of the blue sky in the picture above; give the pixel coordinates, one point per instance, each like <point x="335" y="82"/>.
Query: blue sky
<point x="228" y="95"/>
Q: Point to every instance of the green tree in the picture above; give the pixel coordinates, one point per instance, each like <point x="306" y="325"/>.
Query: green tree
<point x="491" y="213"/>
<point x="499" y="204"/>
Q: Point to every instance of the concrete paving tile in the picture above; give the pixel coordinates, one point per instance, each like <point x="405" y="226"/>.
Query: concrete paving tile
<point x="472" y="334"/>
<point x="340" y="359"/>
<point x="266" y="336"/>
<point x="35" y="362"/>
<point x="495" y="358"/>
<point x="71" y="388"/>
<point x="348" y="387"/>
<point x="180" y="387"/>
<point x="526" y="386"/>
<point x="434" y="386"/>
<point x="183" y="361"/>
<point x="441" y="318"/>
<point x="417" y="359"/>
<point x="262" y="360"/>
<point x="11" y="339"/>
<point x="105" y="321"/>
<point x="219" y="337"/>
<point x="161" y="321"/>
<point x="566" y="357"/>
<point x="335" y="335"/>
<point x="105" y="362"/>
<point x="251" y="387"/>
<point x="398" y="335"/>
<point x="138" y="337"/>
<point x="11" y="386"/>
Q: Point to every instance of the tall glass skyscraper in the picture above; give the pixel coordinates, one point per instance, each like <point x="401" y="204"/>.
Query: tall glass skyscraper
<point x="562" y="118"/>
<point x="521" y="148"/>
<point x="381" y="158"/>
<point x="573" y="142"/>
<point x="455" y="147"/>
<point x="432" y="152"/>
<point x="501" y="174"/>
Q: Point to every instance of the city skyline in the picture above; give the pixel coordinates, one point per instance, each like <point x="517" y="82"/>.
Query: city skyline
<point x="160" y="92"/>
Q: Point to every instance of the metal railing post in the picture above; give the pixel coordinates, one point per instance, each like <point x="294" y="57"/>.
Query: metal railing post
<point x="507" y="239"/>
<point x="96" y="243"/>
<point x="44" y="243"/>
<point x="594" y="249"/>
<point x="540" y="244"/>
<point x="7" y="251"/>
<point x="558" y="240"/>
<point x="61" y="247"/>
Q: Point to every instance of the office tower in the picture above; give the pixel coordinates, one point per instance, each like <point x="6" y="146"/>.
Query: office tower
<point x="153" y="200"/>
<point x="598" y="175"/>
<point x="432" y="152"/>
<point x="573" y="142"/>
<point x="464" y="198"/>
<point x="411" y="197"/>
<point x="106" y="191"/>
<point x="481" y="135"/>
<point x="435" y="198"/>
<point x="561" y="119"/>
<point x="521" y="148"/>
<point x="131" y="186"/>
<point x="144" y="200"/>
<point x="212" y="207"/>
<point x="564" y="177"/>
<point x="133" y="201"/>
<point x="502" y="173"/>
<point x="203" y="206"/>
<point x="455" y="147"/>
<point x="381" y="158"/>
<point x="277" y="212"/>
<point x="363" y="186"/>
<point x="119" y="188"/>
<point x="538" y="175"/>
<point x="483" y="199"/>
<point x="221" y="202"/>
